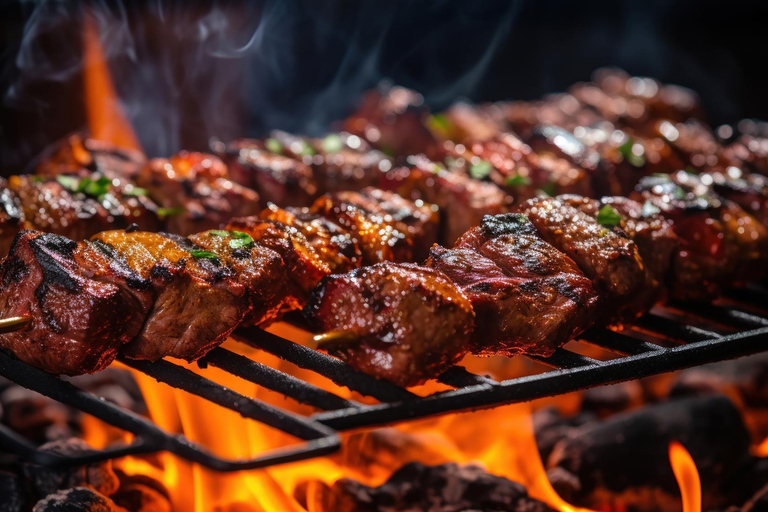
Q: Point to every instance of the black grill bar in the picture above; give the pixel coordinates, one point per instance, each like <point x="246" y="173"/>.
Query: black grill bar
<point x="741" y="330"/>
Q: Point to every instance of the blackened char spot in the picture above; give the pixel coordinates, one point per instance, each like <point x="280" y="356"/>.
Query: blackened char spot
<point x="14" y="270"/>
<point x="507" y="224"/>
<point x="160" y="272"/>
<point x="118" y="264"/>
<point x="51" y="251"/>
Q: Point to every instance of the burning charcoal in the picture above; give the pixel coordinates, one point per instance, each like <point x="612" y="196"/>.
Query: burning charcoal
<point x="115" y="385"/>
<point x="626" y="455"/>
<point x="550" y="427"/>
<point x="443" y="488"/>
<point x="10" y="493"/>
<point x="37" y="417"/>
<point x="141" y="492"/>
<point x="98" y="475"/>
<point x="78" y="499"/>
<point x="605" y="401"/>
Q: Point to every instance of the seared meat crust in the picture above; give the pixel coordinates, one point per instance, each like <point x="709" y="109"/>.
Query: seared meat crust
<point x="400" y="322"/>
<point x="78" y="323"/>
<point x="528" y="296"/>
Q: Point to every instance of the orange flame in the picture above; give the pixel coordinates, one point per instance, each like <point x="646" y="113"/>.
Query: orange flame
<point x="106" y="119"/>
<point x="687" y="477"/>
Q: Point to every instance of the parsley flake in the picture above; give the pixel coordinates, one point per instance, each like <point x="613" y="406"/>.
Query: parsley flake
<point x="167" y="212"/>
<point x="518" y="181"/>
<point x="219" y="232"/>
<point x="273" y="145"/>
<point x="68" y="182"/>
<point x="480" y="170"/>
<point x="201" y="254"/>
<point x="136" y="191"/>
<point x="332" y="143"/>
<point x="633" y="159"/>
<point x="608" y="216"/>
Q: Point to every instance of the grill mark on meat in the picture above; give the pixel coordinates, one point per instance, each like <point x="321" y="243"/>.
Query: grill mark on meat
<point x="15" y="271"/>
<point x="507" y="224"/>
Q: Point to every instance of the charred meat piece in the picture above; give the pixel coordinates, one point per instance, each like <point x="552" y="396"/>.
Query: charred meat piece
<point x="720" y="243"/>
<point x="393" y="120"/>
<point x="304" y="265"/>
<point x="695" y="144"/>
<point x="562" y="143"/>
<point x="528" y="297"/>
<point x="379" y="239"/>
<point x="399" y="322"/>
<point x="259" y="270"/>
<point x="334" y="244"/>
<point x="277" y="178"/>
<point x="78" y="323"/>
<point x="418" y="220"/>
<point x="11" y="217"/>
<point x="751" y="152"/>
<point x="194" y="192"/>
<point x="196" y="300"/>
<point x="562" y="110"/>
<point x="78" y="155"/>
<point x="465" y="122"/>
<point x="338" y="161"/>
<point x="78" y="207"/>
<point x="462" y="201"/>
<point x="653" y="234"/>
<point x="749" y="191"/>
<point x="609" y="257"/>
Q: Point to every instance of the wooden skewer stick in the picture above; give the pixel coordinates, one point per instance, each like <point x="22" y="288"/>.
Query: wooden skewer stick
<point x="14" y="323"/>
<point x="335" y="337"/>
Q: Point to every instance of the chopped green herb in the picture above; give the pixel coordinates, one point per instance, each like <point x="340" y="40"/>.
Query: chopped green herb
<point x="679" y="193"/>
<point x="68" y="182"/>
<point x="240" y="240"/>
<point x="649" y="209"/>
<point x="549" y="189"/>
<point x="518" y="181"/>
<point x="167" y="212"/>
<point x="440" y="124"/>
<point x="219" y="232"/>
<point x="480" y="170"/>
<point x="95" y="188"/>
<point x="200" y="254"/>
<point x="633" y="159"/>
<point x="332" y="143"/>
<point x="307" y="149"/>
<point x="136" y="191"/>
<point x="274" y="145"/>
<point x="608" y="216"/>
<point x="436" y="167"/>
<point x="38" y="179"/>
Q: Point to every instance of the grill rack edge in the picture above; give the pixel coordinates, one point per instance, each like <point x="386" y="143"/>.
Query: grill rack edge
<point x="318" y="433"/>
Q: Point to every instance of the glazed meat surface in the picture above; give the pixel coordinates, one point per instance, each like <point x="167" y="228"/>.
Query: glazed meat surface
<point x="399" y="322"/>
<point x="196" y="302"/>
<point x="78" y="207"/>
<point x="652" y="233"/>
<point x="304" y="265"/>
<point x="258" y="269"/>
<point x="78" y="323"/>
<point x="277" y="178"/>
<point x="333" y="244"/>
<point x="195" y="193"/>
<point x="462" y="201"/>
<point x="79" y="155"/>
<point x="528" y="296"/>
<point x="11" y="217"/>
<point x="609" y="257"/>
<point x="378" y="239"/>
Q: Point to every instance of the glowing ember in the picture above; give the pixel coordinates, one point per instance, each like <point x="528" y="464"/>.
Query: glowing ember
<point x="687" y="477"/>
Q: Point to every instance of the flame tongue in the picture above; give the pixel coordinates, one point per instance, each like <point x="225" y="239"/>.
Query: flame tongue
<point x="687" y="477"/>
<point x="106" y="119"/>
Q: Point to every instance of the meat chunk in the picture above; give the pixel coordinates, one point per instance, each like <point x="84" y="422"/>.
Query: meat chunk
<point x="196" y="302"/>
<point x="258" y="269"/>
<point x="418" y="220"/>
<point x="277" y="178"/>
<point x="749" y="191"/>
<point x="462" y="201"/>
<point x="79" y="155"/>
<point x="528" y="297"/>
<point x="751" y="153"/>
<point x="721" y="244"/>
<point x="338" y="161"/>
<point x="78" y="323"/>
<point x="304" y="265"/>
<point x="78" y="207"/>
<point x="334" y="244"/>
<point x="378" y="236"/>
<point x="393" y="119"/>
<point x="607" y="256"/>
<point x="656" y="242"/>
<point x="194" y="192"/>
<point x="399" y="322"/>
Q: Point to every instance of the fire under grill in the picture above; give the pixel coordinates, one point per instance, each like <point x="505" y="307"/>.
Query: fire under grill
<point x="671" y="338"/>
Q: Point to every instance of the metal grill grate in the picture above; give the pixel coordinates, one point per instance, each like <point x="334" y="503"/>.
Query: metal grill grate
<point x="671" y="338"/>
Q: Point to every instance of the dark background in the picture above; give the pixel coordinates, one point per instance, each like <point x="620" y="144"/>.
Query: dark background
<point x="186" y="71"/>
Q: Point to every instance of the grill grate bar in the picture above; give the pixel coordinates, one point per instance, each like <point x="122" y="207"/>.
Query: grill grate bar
<point x="330" y="367"/>
<point x="459" y="377"/>
<point x="675" y="329"/>
<point x="275" y="380"/>
<point x="618" y="342"/>
<point x="566" y="359"/>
